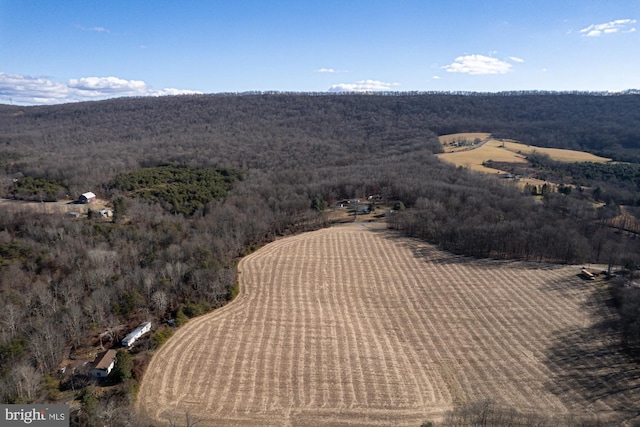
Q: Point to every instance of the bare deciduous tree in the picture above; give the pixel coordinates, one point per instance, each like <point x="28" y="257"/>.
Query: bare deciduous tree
<point x="25" y="382"/>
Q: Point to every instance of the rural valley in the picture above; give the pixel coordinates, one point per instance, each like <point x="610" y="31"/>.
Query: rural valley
<point x="312" y="259"/>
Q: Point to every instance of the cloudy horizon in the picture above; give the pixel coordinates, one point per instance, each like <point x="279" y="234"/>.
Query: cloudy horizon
<point x="59" y="53"/>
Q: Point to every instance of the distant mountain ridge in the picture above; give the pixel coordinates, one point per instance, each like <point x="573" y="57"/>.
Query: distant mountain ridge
<point x="263" y="130"/>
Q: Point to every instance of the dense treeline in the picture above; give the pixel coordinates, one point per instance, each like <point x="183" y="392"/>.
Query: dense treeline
<point x="609" y="182"/>
<point x="38" y="189"/>
<point x="296" y="153"/>
<point x="65" y="283"/>
<point x="181" y="188"/>
<point x="486" y="218"/>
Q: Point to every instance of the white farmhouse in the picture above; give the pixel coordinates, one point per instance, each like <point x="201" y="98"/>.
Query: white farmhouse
<point x="104" y="364"/>
<point x="135" y="334"/>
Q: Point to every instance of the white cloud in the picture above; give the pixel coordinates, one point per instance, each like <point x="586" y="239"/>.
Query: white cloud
<point x="516" y="59"/>
<point x="363" y="86"/>
<point x="325" y="70"/>
<point x="596" y="30"/>
<point x="108" y="85"/>
<point x="27" y="90"/>
<point x="477" y="65"/>
<point x="436" y="77"/>
<point x="97" y="29"/>
<point x="31" y="90"/>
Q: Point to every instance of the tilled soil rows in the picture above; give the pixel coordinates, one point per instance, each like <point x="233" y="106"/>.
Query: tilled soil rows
<point x="355" y="325"/>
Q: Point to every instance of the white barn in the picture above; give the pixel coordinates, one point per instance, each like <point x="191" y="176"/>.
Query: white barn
<point x="135" y="334"/>
<point x="87" y="197"/>
<point x="104" y="364"/>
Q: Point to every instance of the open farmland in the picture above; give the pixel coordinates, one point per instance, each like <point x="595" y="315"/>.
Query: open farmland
<point x="558" y="154"/>
<point x="355" y="325"/>
<point x="505" y="151"/>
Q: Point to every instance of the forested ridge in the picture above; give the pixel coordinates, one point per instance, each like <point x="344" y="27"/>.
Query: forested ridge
<point x="64" y="281"/>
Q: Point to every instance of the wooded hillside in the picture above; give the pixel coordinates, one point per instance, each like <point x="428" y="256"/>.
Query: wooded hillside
<point x="291" y="150"/>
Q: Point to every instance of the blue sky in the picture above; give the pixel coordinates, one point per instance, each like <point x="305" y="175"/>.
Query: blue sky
<point x="65" y="51"/>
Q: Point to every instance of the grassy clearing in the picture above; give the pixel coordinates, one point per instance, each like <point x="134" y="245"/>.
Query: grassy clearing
<point x="498" y="150"/>
<point x="555" y="153"/>
<point x="59" y="207"/>
<point x="474" y="158"/>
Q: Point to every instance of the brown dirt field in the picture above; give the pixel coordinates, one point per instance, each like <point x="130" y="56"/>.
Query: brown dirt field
<point x="355" y="325"/>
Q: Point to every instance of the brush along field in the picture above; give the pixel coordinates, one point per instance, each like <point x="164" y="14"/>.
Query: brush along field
<point x="454" y="139"/>
<point x="355" y="325"/>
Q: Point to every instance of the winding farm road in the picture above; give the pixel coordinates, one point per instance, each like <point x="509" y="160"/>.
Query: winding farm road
<point x="355" y="325"/>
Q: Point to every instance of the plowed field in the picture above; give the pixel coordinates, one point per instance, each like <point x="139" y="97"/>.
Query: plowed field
<point x="354" y="325"/>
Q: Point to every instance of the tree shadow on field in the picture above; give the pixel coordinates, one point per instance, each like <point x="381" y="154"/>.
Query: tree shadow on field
<point x="591" y="369"/>
<point x="421" y="249"/>
<point x="433" y="254"/>
<point x="591" y="372"/>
